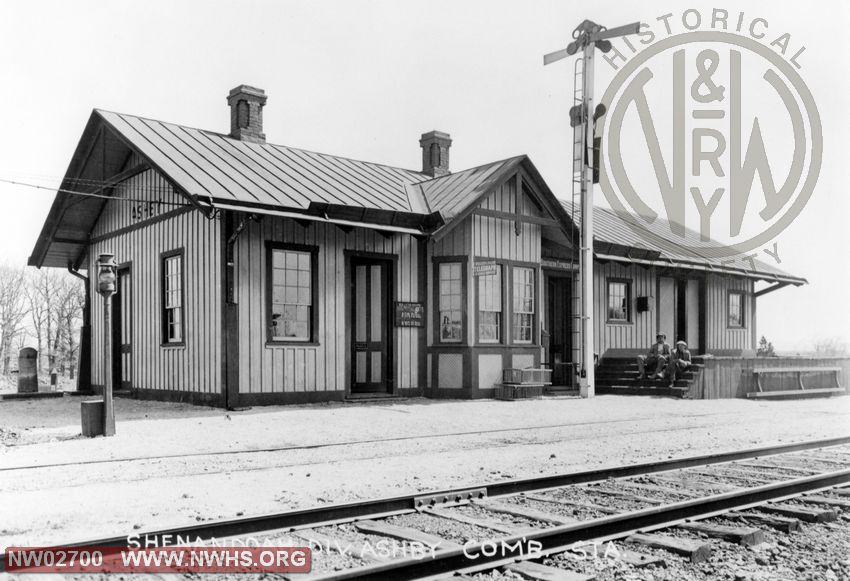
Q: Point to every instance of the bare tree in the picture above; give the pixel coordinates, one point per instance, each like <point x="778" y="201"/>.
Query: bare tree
<point x="70" y="314"/>
<point x="13" y="310"/>
<point x="38" y="309"/>
<point x="56" y="302"/>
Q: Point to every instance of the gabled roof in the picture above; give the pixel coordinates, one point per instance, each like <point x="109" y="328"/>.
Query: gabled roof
<point x="453" y="193"/>
<point x="212" y="170"/>
<point x="663" y="247"/>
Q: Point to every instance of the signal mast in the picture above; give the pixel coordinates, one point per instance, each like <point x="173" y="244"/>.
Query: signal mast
<point x="587" y="36"/>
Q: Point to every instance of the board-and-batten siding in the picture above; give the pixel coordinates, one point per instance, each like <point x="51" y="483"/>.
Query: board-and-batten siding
<point x="497" y="237"/>
<point x="317" y="368"/>
<point x="196" y="366"/>
<point x="639" y="333"/>
<point x="719" y="336"/>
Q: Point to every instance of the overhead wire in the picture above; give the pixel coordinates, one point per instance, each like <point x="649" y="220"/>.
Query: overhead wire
<point x="96" y="195"/>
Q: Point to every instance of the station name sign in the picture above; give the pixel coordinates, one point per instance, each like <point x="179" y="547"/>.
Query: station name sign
<point x="409" y="314"/>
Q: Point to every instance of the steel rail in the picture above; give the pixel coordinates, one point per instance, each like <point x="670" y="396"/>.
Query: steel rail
<point x="411" y="502"/>
<point x="507" y="549"/>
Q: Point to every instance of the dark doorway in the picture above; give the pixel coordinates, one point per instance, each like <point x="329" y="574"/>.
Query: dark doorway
<point x="689" y="309"/>
<point x="559" y="325"/>
<point x="371" y="334"/>
<point x="122" y="331"/>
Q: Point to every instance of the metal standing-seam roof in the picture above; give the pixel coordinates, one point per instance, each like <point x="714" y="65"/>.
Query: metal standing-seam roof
<point x="658" y="237"/>
<point x="211" y="165"/>
<point x="214" y="169"/>
<point x="451" y="194"/>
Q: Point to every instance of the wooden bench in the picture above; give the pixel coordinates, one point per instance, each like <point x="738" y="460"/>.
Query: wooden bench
<point x="760" y="372"/>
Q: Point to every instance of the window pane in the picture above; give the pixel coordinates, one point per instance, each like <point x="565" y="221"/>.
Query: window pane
<point x="291" y="295"/>
<point x="172" y="298"/>
<point x="450" y="312"/>
<point x="736" y="310"/>
<point x="490" y="306"/>
<point x="523" y="305"/>
<point x="618" y="301"/>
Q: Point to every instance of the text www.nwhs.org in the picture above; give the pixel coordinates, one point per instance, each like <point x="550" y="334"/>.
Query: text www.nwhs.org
<point x="159" y="560"/>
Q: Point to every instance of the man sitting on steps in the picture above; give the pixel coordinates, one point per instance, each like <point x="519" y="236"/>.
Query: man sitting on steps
<point x="680" y="361"/>
<point x="657" y="357"/>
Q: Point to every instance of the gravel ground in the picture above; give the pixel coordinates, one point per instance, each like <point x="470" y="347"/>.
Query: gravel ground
<point x="343" y="452"/>
<point x="819" y="552"/>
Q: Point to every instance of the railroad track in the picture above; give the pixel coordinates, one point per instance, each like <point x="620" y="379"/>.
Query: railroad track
<point x="674" y="506"/>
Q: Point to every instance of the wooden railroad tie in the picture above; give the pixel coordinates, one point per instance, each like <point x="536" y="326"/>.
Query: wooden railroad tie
<point x="800" y="513"/>
<point x="695" y="551"/>
<point x="359" y="549"/>
<point x="825" y="500"/>
<point x="749" y="536"/>
<point x="780" y="523"/>
<point x="404" y="534"/>
<point x="478" y="522"/>
<point x="563" y="502"/>
<point x="693" y="483"/>
<point x="535" y="572"/>
<point x="773" y="467"/>
<point x="525" y="512"/>
<point x="624" y="495"/>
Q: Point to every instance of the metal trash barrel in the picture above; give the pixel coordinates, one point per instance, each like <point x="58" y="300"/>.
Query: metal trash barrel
<point x="27" y="370"/>
<point x="92" y="417"/>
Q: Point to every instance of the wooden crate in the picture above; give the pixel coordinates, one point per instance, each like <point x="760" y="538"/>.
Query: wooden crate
<point x="512" y="375"/>
<point x="510" y="392"/>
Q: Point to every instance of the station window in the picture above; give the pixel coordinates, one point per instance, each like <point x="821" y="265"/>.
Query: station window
<point x="490" y="306"/>
<point x="292" y="294"/>
<point x="735" y="309"/>
<point x="451" y="298"/>
<point x="619" y="301"/>
<point x="523" y="304"/>
<point x="172" y="298"/>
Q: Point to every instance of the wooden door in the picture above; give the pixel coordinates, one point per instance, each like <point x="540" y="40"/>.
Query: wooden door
<point x="559" y="324"/>
<point x="122" y="331"/>
<point x="371" y="339"/>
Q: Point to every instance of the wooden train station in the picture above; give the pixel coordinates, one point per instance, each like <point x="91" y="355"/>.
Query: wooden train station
<point x="252" y="273"/>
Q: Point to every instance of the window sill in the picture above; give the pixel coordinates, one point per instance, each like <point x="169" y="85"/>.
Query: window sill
<point x="178" y="345"/>
<point x="276" y="343"/>
<point x="618" y="322"/>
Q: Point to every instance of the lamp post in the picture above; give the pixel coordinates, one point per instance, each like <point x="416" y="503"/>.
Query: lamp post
<point x="106" y="268"/>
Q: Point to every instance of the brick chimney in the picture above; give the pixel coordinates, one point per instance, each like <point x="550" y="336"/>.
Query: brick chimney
<point x="435" y="153"/>
<point x="246" y="113"/>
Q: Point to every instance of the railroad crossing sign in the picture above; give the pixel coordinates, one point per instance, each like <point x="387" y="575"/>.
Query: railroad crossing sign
<point x="587" y="36"/>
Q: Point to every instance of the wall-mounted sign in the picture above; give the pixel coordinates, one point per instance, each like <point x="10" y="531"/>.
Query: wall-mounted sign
<point x="484" y="268"/>
<point x="559" y="264"/>
<point x="409" y="315"/>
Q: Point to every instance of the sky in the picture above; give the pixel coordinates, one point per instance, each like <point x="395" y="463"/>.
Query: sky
<point x="364" y="79"/>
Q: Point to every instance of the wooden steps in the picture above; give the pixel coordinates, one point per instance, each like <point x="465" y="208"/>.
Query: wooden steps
<point x="619" y="375"/>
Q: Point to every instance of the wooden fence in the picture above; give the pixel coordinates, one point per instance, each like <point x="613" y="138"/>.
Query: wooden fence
<point x="727" y="377"/>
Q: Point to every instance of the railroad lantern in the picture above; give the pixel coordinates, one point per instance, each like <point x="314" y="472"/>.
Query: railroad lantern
<point x="106" y="274"/>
